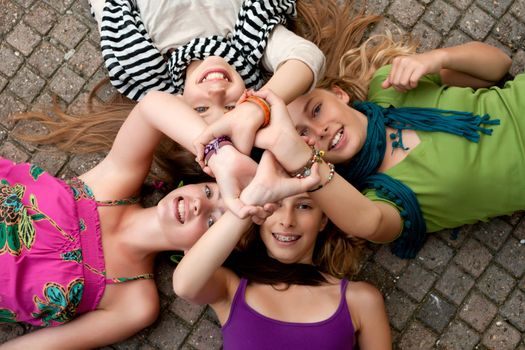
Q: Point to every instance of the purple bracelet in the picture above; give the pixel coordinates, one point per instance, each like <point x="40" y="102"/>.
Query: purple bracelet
<point x="213" y="147"/>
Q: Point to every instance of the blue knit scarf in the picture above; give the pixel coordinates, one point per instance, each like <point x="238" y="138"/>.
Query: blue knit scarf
<point x="361" y="170"/>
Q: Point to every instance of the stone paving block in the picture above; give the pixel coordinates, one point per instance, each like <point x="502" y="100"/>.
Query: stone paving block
<point x="69" y="31"/>
<point x="207" y="336"/>
<point x="496" y="283"/>
<point x="458" y="336"/>
<point x="9" y="15"/>
<point x="8" y="106"/>
<point x="41" y="17"/>
<point x="389" y="261"/>
<point x="510" y="32"/>
<point x="522" y="283"/>
<point x="435" y="254"/>
<point x="378" y="276"/>
<point x="189" y="312"/>
<point x="406" y="12"/>
<point x="10" y="331"/>
<point x="81" y="163"/>
<point x="501" y="336"/>
<point x="25" y="3"/>
<point x="164" y="273"/>
<point x="168" y="332"/>
<point x="519" y="231"/>
<point x="3" y="83"/>
<point x="512" y="257"/>
<point x="518" y="10"/>
<point x="399" y="308"/>
<point x="428" y="38"/>
<point x="66" y="84"/>
<point x="416" y="281"/>
<point x="47" y="59"/>
<point x="473" y="257"/>
<point x="49" y="160"/>
<point x="462" y="4"/>
<point x="496" y="8"/>
<point x="26" y="85"/>
<point x="436" y="312"/>
<point x="23" y="38"/>
<point x="493" y="233"/>
<point x="454" y="283"/>
<point x="10" y="151"/>
<point x="10" y="61"/>
<point x="478" y="311"/>
<point x="377" y="6"/>
<point x="514" y="310"/>
<point x="60" y="5"/>
<point x="441" y="16"/>
<point x="476" y="23"/>
<point x="86" y="60"/>
<point x="454" y="237"/>
<point x="417" y="337"/>
<point x="136" y="342"/>
<point x="518" y="65"/>
<point x="3" y="134"/>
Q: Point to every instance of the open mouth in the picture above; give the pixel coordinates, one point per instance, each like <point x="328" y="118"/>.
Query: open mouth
<point x="285" y="238"/>
<point x="180" y="210"/>
<point x="215" y="75"/>
<point x="336" y="139"/>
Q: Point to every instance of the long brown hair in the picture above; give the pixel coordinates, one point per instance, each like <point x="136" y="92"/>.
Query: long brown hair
<point x="94" y="129"/>
<point x="338" y="28"/>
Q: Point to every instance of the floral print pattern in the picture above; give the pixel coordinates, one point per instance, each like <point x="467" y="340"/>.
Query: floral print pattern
<point x="60" y="304"/>
<point x="7" y="316"/>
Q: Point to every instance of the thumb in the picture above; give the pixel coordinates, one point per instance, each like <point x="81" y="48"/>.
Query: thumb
<point x="386" y="84"/>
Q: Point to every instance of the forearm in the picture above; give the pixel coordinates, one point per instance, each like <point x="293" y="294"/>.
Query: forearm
<point x="477" y="59"/>
<point x="292" y="79"/>
<point x="196" y="270"/>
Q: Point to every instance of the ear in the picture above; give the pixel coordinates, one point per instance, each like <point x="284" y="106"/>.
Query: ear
<point x="324" y="221"/>
<point x="341" y="94"/>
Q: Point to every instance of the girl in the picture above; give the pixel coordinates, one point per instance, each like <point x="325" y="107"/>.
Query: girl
<point x="86" y="248"/>
<point x="276" y="292"/>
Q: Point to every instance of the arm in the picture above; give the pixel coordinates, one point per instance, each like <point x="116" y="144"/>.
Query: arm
<point x="132" y="310"/>
<point x="368" y="312"/>
<point x="473" y="64"/>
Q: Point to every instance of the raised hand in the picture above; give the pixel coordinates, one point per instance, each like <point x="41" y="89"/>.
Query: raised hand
<point x="407" y="70"/>
<point x="271" y="183"/>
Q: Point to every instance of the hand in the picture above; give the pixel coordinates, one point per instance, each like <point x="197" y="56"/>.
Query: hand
<point x="240" y="124"/>
<point x="271" y="183"/>
<point x="407" y="70"/>
<point x="233" y="171"/>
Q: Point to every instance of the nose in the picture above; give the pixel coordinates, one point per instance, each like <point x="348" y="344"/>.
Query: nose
<point x="217" y="93"/>
<point x="196" y="206"/>
<point x="286" y="217"/>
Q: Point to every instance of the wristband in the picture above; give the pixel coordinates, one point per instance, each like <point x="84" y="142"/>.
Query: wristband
<point x="213" y="147"/>
<point x="317" y="157"/>
<point x="264" y="106"/>
<point x="330" y="177"/>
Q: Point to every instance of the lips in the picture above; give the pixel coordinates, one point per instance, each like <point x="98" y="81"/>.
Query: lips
<point x="215" y="75"/>
<point x="285" y="238"/>
<point x="180" y="210"/>
<point x="336" y="140"/>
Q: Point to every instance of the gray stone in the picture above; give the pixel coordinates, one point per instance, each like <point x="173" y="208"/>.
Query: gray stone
<point x="496" y="283"/>
<point x="473" y="257"/>
<point x="512" y="257"/>
<point x="47" y="59"/>
<point x="455" y="284"/>
<point x="86" y="60"/>
<point x="206" y="336"/>
<point x="9" y="16"/>
<point x="416" y="281"/>
<point x="501" y="335"/>
<point x="417" y="337"/>
<point x="66" y="84"/>
<point x="496" y="8"/>
<point x="441" y="16"/>
<point x="400" y="308"/>
<point x="23" y="38"/>
<point x="510" y="32"/>
<point x="389" y="261"/>
<point x="458" y="336"/>
<point x="436" y="312"/>
<point x="435" y="254"/>
<point x="69" y="31"/>
<point x="41" y="17"/>
<point x="26" y="85"/>
<point x="492" y="233"/>
<point x="189" y="312"/>
<point x="478" y="312"/>
<point x="406" y="12"/>
<point x="10" y="61"/>
<point x="514" y="310"/>
<point x="476" y="23"/>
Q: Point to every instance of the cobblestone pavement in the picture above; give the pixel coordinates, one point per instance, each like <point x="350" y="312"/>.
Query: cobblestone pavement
<point x="464" y="290"/>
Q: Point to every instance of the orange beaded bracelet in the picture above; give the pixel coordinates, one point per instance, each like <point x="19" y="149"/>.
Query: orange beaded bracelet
<point x="264" y="106"/>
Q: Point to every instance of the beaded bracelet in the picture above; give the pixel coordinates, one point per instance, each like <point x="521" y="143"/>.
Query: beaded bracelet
<point x="213" y="147"/>
<point x="264" y="106"/>
<point x="306" y="170"/>
<point x="330" y="177"/>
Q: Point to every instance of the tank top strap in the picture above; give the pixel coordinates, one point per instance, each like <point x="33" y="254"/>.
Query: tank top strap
<point x="344" y="284"/>
<point x="144" y="276"/>
<point x="116" y="202"/>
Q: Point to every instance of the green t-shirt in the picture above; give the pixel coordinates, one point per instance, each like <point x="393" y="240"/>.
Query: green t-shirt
<point x="457" y="181"/>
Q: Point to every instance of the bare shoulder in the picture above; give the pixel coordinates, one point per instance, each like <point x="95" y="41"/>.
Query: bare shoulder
<point x="142" y="295"/>
<point x="363" y="295"/>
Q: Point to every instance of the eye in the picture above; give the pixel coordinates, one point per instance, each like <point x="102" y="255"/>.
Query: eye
<point x="316" y="111"/>
<point x="229" y="108"/>
<point x="211" y="221"/>
<point x="201" y="109"/>
<point x="208" y="192"/>
<point x="303" y="132"/>
<point x="304" y="206"/>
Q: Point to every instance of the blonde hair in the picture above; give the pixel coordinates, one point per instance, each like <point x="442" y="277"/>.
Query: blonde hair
<point x="94" y="129"/>
<point x="350" y="61"/>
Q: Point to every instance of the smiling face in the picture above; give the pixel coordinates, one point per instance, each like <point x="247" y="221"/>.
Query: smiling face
<point x="212" y="87"/>
<point x="324" y="118"/>
<point x="289" y="234"/>
<point x="187" y="212"/>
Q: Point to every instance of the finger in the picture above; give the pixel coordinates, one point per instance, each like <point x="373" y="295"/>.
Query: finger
<point x="237" y="207"/>
<point x="270" y="208"/>
<point x="386" y="84"/>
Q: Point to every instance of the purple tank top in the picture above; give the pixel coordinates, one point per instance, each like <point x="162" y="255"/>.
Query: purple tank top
<point x="51" y="258"/>
<point x="248" y="329"/>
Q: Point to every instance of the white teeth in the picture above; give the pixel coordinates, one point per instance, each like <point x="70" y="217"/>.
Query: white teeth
<point x="336" y="139"/>
<point x="181" y="210"/>
<point x="214" y="76"/>
<point x="285" y="238"/>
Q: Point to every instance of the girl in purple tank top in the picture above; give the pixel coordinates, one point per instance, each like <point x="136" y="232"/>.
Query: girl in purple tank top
<point x="277" y="290"/>
<point x="79" y="255"/>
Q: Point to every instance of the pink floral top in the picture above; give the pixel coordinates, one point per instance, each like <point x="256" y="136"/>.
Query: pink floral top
<point x="51" y="258"/>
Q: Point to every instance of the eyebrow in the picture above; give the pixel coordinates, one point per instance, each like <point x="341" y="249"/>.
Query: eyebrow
<point x="307" y="104"/>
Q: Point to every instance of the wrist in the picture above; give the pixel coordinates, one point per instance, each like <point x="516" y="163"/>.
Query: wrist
<point x="291" y="151"/>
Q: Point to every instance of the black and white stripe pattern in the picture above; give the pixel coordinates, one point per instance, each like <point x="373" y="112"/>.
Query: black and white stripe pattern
<point x="136" y="66"/>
